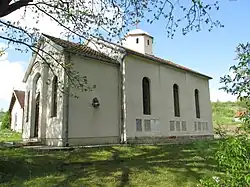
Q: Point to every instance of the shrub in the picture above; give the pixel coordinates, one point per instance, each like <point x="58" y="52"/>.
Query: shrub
<point x="233" y="154"/>
<point x="233" y="159"/>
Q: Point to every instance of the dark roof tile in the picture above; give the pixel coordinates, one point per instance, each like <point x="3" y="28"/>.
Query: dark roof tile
<point x="80" y="49"/>
<point x="87" y="51"/>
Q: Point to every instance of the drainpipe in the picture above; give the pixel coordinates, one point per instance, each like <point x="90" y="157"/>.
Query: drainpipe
<point x="123" y="101"/>
<point x="66" y="106"/>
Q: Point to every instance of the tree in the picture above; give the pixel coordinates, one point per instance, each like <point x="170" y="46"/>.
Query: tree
<point x="1" y="114"/>
<point x="233" y="154"/>
<point x="6" y="121"/>
<point x="82" y="20"/>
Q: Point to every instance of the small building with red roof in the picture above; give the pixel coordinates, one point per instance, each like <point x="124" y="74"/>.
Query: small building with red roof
<point x="16" y="110"/>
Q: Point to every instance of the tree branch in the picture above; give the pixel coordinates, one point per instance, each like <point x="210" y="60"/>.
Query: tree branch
<point x="7" y="8"/>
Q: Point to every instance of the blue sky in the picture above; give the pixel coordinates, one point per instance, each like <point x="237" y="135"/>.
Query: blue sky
<point x="210" y="53"/>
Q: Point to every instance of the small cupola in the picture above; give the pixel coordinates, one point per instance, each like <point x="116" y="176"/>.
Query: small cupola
<point x="140" y="41"/>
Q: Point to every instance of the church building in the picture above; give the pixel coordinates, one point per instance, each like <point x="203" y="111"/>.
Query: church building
<point x="137" y="97"/>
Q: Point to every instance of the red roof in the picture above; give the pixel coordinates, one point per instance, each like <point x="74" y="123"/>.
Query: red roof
<point x="240" y="114"/>
<point x="20" y="97"/>
<point x="17" y="95"/>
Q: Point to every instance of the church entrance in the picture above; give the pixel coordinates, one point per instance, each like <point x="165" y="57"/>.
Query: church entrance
<point x="37" y="115"/>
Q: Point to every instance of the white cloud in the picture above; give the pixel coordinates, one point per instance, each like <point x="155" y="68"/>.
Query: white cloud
<point x="11" y="75"/>
<point x="29" y="20"/>
<point x="220" y="95"/>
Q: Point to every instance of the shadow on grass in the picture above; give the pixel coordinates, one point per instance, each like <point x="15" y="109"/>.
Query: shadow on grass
<point x="109" y="166"/>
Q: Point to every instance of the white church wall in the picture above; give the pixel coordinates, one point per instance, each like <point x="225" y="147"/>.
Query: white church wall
<point x="89" y="125"/>
<point x="162" y="78"/>
<point x="49" y="129"/>
<point x="131" y="43"/>
<point x="16" y="117"/>
<point x="28" y="121"/>
<point x="54" y="125"/>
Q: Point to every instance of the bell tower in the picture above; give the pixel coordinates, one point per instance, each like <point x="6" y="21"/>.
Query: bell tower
<point x="140" y="41"/>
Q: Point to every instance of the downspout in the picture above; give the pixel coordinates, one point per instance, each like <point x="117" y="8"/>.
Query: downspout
<point x="123" y="101"/>
<point x="66" y="106"/>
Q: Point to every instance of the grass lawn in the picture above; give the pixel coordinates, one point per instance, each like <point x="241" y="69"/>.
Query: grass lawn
<point x="9" y="136"/>
<point x="158" y="165"/>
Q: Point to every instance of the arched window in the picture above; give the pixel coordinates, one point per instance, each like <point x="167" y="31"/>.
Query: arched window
<point x="146" y="96"/>
<point x="28" y="106"/>
<point x="176" y="100"/>
<point x="54" y="97"/>
<point x="197" y="103"/>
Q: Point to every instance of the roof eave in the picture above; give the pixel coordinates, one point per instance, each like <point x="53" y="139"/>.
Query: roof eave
<point x="150" y="58"/>
<point x="89" y="56"/>
<point x="13" y="98"/>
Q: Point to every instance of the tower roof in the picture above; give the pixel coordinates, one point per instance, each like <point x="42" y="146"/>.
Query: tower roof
<point x="137" y="32"/>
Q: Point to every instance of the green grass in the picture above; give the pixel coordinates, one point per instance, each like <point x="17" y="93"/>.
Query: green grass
<point x="224" y="112"/>
<point x="158" y="165"/>
<point x="9" y="136"/>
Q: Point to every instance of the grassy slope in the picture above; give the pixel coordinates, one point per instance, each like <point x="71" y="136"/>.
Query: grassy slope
<point x="224" y="112"/>
<point x="9" y="136"/>
<point x="166" y="166"/>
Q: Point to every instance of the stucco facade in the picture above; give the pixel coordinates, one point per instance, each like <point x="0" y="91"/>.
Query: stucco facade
<point x="38" y="124"/>
<point x="17" y="117"/>
<point x="113" y="109"/>
<point x="162" y="78"/>
<point x="16" y="110"/>
<point x="89" y="125"/>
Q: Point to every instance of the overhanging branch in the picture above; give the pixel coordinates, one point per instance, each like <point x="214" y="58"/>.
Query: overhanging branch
<point x="7" y="8"/>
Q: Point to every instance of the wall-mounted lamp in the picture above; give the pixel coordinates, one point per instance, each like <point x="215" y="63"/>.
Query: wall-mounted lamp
<point x="95" y="102"/>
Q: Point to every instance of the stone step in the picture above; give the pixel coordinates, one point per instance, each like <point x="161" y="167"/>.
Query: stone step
<point x="32" y="143"/>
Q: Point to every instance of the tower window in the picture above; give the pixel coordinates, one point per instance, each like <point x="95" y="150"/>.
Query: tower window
<point x="137" y="40"/>
<point x="148" y="42"/>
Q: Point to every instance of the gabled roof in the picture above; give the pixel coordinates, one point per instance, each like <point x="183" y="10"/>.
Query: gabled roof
<point x="18" y="95"/>
<point x="89" y="52"/>
<point x="80" y="49"/>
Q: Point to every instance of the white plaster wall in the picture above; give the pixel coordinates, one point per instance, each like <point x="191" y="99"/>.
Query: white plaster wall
<point x="148" y="49"/>
<point x="17" y="109"/>
<point x="28" y="121"/>
<point x="88" y="122"/>
<point x="50" y="129"/>
<point x="162" y="78"/>
<point x="130" y="42"/>
<point x="142" y="46"/>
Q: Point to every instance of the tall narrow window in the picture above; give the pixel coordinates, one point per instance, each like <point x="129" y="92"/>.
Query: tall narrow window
<point x="137" y="40"/>
<point x="197" y="103"/>
<point x="28" y="106"/>
<point x="146" y="96"/>
<point x="148" y="42"/>
<point x="54" y="97"/>
<point x="15" y="119"/>
<point x="176" y="100"/>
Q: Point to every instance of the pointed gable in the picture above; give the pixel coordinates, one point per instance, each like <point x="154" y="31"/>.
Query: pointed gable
<point x="19" y="96"/>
